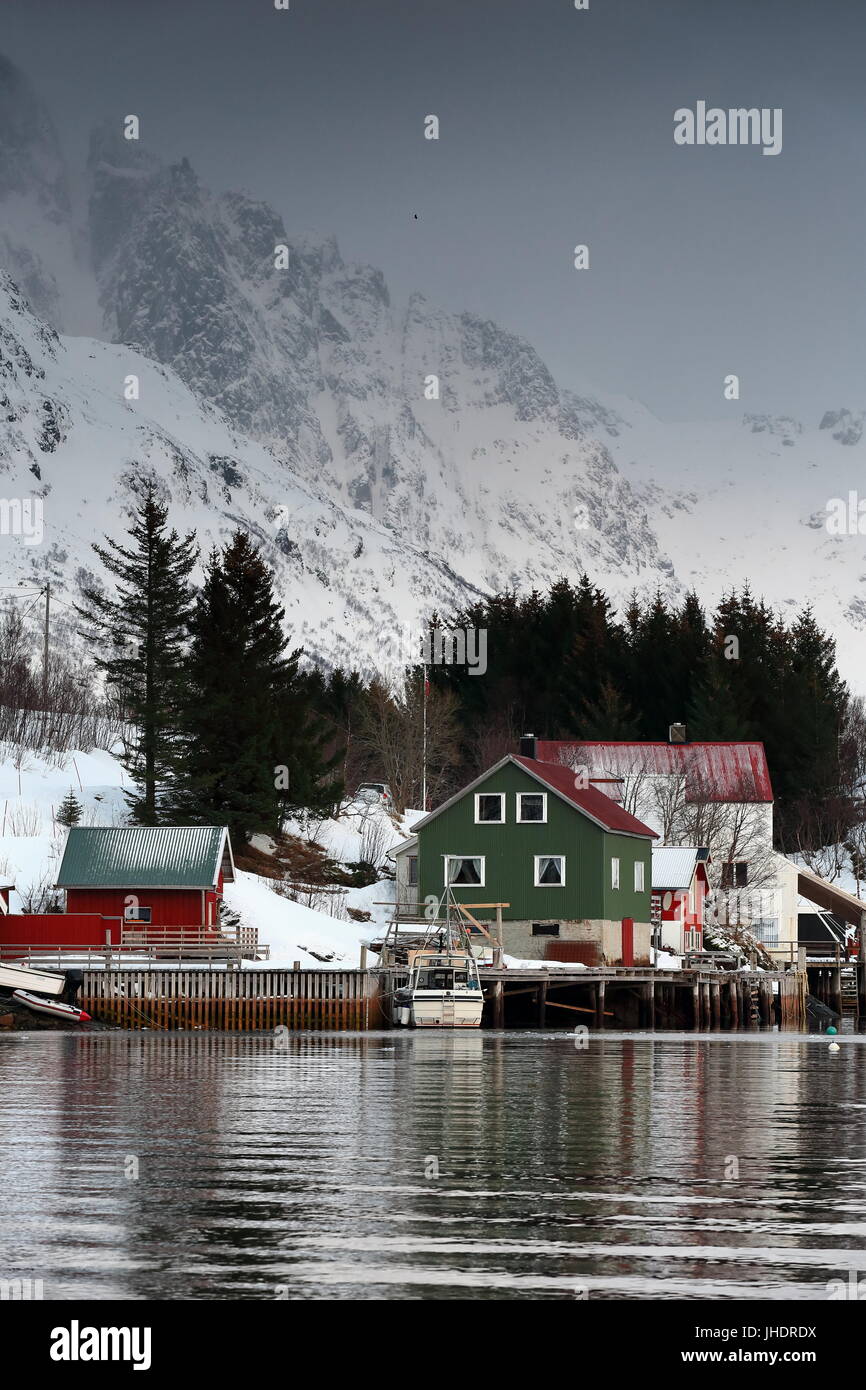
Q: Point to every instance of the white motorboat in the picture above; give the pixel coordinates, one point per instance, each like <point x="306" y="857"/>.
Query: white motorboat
<point x="443" y="991"/>
<point x="442" y="988"/>
<point x="48" y="982"/>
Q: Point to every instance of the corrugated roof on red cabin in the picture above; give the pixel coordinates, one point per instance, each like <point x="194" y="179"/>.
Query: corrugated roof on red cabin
<point x="561" y="779"/>
<point x="713" y="771"/>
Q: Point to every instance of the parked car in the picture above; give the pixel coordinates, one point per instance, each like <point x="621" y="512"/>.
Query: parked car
<point x="373" y="792"/>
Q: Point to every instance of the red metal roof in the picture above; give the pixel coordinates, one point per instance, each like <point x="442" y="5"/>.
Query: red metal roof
<point x="713" y="771"/>
<point x="561" y="779"/>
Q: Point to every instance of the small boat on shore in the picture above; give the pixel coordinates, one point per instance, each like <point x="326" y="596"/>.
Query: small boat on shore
<point x="49" y="982"/>
<point x="52" y="1007"/>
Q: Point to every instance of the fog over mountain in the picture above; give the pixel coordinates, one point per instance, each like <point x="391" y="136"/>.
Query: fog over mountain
<point x="301" y="401"/>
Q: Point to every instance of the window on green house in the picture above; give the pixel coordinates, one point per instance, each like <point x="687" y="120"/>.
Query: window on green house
<point x="614" y="873"/>
<point x="638" y="876"/>
<point x="490" y="808"/>
<point x="468" y="871"/>
<point x="545" y="929"/>
<point x="549" y="870"/>
<point x="531" y="806"/>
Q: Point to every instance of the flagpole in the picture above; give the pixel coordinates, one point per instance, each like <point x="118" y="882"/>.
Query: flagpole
<point x="424" y="753"/>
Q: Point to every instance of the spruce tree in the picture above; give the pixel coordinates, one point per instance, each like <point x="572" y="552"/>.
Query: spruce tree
<point x="138" y="635"/>
<point x="251" y="746"/>
<point x="70" y="810"/>
<point x="609" y="718"/>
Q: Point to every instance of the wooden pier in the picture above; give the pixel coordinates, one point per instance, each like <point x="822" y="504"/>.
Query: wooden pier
<point x="699" y="1000"/>
<point x="169" y="1000"/>
<point x="255" y="1000"/>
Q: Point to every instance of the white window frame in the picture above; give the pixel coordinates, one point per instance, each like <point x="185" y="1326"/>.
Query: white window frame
<point x="518" y="816"/>
<point x="639" y="873"/>
<point x="614" y="871"/>
<point x="478" y="820"/>
<point x="537" y="859"/>
<point x="449" y="859"/>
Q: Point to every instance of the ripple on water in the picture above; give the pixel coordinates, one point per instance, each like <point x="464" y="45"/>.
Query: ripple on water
<point x="391" y="1166"/>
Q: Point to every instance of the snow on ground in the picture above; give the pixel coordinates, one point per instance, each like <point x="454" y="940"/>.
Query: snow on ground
<point x="363" y="832"/>
<point x="296" y="932"/>
<point x="665" y="960"/>
<point x="31" y="790"/>
<point x="515" y="963"/>
<point x="292" y="931"/>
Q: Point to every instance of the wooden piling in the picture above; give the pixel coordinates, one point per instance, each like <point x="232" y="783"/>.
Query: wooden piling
<point x="542" y="1004"/>
<point x="599" y="1004"/>
<point x="764" y="999"/>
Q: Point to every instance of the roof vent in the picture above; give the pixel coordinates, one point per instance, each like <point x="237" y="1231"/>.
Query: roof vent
<point x="677" y="733"/>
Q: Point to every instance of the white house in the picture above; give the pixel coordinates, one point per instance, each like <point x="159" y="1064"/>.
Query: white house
<point x="716" y="795"/>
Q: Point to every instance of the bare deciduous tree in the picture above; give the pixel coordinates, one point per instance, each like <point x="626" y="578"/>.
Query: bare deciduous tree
<point x="393" y="735"/>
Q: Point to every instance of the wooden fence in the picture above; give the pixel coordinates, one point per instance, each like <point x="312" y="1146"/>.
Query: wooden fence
<point x="242" y="1000"/>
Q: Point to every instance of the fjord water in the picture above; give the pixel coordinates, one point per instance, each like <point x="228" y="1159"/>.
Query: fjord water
<point x="664" y="1166"/>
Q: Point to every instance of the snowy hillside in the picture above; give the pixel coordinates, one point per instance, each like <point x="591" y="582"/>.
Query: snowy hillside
<point x="31" y="845"/>
<point x="382" y="505"/>
<point x="760" y="511"/>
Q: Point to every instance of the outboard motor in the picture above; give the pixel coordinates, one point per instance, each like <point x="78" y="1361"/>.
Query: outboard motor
<point x="74" y="981"/>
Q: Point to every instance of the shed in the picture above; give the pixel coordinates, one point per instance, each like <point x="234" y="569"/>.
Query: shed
<point x="166" y="875"/>
<point x="679" y="889"/>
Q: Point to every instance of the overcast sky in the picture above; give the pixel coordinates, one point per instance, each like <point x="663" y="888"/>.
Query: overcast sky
<point x="556" y="128"/>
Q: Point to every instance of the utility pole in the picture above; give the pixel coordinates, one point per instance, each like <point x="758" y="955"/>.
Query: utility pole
<point x="45" y="648"/>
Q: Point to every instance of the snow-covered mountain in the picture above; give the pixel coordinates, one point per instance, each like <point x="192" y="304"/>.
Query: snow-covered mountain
<point x="70" y="440"/>
<point x="392" y="458"/>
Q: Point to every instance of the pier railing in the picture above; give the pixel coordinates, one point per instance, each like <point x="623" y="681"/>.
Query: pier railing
<point x="166" y="947"/>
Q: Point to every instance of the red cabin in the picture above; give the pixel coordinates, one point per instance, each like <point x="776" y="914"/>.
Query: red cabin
<point x="160" y="876"/>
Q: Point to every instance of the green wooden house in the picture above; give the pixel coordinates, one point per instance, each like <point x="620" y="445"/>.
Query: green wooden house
<point x="572" y="865"/>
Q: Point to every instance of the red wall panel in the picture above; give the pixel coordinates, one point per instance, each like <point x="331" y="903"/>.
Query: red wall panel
<point x="170" y="907"/>
<point x="587" y="952"/>
<point x="57" y="929"/>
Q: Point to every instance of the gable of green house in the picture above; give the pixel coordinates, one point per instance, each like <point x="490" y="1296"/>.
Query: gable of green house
<point x="512" y="856"/>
